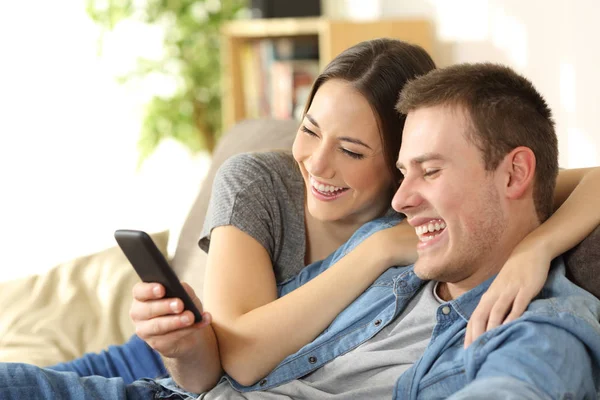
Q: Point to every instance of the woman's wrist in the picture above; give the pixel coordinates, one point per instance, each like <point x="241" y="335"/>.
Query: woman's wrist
<point x="540" y="242"/>
<point x="392" y="246"/>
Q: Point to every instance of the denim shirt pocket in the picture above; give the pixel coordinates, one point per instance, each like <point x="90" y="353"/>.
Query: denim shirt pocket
<point x="447" y="374"/>
<point x="441" y="385"/>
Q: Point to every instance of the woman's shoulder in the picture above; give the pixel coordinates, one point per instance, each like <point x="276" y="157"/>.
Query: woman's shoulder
<point x="264" y="160"/>
<point x="270" y="167"/>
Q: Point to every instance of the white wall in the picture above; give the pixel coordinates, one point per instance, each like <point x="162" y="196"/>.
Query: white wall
<point x="553" y="43"/>
<point x="68" y="135"/>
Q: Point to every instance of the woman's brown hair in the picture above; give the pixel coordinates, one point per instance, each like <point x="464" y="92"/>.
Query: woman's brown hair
<point x="379" y="69"/>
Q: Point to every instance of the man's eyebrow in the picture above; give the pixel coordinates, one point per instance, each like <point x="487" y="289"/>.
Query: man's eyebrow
<point x="342" y="138"/>
<point x="421" y="159"/>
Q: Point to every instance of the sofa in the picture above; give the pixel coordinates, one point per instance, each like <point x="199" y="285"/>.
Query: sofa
<point x="83" y="305"/>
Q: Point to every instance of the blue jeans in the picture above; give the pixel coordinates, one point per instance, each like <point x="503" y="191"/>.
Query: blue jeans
<point x="23" y="381"/>
<point x="130" y="361"/>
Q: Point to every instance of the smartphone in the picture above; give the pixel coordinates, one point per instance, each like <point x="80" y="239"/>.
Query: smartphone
<point x="151" y="266"/>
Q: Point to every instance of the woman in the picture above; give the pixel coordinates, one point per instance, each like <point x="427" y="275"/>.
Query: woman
<point x="292" y="212"/>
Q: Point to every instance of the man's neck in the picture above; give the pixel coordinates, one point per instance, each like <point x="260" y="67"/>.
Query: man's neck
<point x="451" y="290"/>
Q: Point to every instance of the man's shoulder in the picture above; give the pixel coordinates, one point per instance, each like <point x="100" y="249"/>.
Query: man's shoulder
<point x="559" y="296"/>
<point x="565" y="306"/>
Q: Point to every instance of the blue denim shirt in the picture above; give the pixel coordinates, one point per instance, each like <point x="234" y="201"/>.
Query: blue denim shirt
<point x="551" y="352"/>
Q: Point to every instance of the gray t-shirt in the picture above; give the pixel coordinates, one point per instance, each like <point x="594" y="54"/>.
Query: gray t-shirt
<point x="262" y="194"/>
<point x="370" y="371"/>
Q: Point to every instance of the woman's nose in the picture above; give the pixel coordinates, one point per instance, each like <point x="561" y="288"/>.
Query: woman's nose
<point x="321" y="163"/>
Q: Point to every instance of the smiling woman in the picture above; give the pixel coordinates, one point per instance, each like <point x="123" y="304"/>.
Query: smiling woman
<point x="339" y="151"/>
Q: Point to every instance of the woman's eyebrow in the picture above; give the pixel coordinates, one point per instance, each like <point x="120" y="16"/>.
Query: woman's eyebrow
<point x="354" y="140"/>
<point x="312" y="120"/>
<point x="342" y="138"/>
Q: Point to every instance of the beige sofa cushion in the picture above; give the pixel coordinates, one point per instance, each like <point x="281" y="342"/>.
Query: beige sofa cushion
<point x="77" y="307"/>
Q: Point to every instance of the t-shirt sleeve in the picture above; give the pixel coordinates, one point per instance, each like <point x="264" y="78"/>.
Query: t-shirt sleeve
<point x="243" y="196"/>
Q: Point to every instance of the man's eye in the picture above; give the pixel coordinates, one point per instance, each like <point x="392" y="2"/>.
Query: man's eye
<point x="431" y="172"/>
<point x="308" y="131"/>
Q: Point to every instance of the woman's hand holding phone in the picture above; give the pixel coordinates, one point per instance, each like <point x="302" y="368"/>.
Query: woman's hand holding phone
<point x="164" y="324"/>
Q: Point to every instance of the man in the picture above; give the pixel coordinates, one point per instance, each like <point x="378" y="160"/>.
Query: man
<point x="479" y="158"/>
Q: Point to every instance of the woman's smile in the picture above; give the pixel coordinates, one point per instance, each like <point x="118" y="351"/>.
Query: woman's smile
<point x="326" y="192"/>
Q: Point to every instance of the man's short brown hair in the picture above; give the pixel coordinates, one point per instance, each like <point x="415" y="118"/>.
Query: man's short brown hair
<point x="505" y="112"/>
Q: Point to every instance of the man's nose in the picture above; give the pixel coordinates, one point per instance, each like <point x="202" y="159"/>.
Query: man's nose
<point x="321" y="161"/>
<point x="406" y="197"/>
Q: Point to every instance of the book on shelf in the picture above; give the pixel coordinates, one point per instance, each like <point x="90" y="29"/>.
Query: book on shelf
<point x="277" y="76"/>
<point x="291" y="83"/>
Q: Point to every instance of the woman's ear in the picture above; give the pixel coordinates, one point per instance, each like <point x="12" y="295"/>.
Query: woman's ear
<point x="520" y="171"/>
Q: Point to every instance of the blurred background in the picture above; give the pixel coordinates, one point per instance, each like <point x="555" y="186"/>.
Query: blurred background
<point x="109" y="109"/>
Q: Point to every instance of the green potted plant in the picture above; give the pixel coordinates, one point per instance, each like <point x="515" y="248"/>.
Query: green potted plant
<point x="192" y="114"/>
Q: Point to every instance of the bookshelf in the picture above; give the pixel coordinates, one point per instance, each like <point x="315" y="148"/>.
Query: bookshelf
<point x="331" y="36"/>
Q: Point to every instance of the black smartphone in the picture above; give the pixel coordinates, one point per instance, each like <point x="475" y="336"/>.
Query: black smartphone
<point x="151" y="265"/>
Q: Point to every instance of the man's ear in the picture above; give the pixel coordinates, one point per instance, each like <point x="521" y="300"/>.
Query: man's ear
<point x="519" y="167"/>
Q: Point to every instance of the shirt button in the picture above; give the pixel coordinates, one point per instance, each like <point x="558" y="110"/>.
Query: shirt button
<point x="263" y="382"/>
<point x="446" y="310"/>
<point x="312" y="359"/>
<point x="378" y="322"/>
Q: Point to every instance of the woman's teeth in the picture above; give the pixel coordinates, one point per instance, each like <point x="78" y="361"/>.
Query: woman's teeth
<point x="324" y="188"/>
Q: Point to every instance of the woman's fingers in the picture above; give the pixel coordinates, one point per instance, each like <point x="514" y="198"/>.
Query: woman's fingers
<point x="500" y="309"/>
<point x="468" y="339"/>
<point x="161" y="326"/>
<point x="489" y="313"/>
<point x="148" y="302"/>
<point x="178" y="341"/>
<point x="519" y="306"/>
<point x="478" y="321"/>
<point x="163" y="323"/>
<point x="174" y="343"/>
<point x="494" y="310"/>
<point x="143" y="291"/>
<point x="146" y="310"/>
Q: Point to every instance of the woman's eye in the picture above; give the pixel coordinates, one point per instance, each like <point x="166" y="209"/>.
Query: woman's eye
<point x="352" y="154"/>
<point x="308" y="131"/>
<point x="431" y="172"/>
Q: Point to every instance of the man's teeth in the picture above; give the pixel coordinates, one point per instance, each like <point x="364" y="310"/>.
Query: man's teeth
<point x="430" y="227"/>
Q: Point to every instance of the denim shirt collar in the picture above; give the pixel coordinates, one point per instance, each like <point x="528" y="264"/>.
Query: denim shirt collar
<point x="466" y="303"/>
